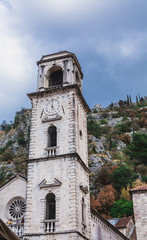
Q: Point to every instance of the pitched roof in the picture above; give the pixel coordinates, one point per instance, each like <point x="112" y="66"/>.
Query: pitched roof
<point x="122" y="222"/>
<point x="15" y="176"/>
<point x="141" y="188"/>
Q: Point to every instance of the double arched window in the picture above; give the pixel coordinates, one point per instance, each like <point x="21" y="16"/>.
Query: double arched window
<point x="50" y="206"/>
<point x="52" y="136"/>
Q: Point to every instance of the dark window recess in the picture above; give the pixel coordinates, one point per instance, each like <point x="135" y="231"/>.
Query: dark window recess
<point x="56" y="78"/>
<point x="80" y="133"/>
<point x="52" y="136"/>
<point x="83" y="217"/>
<point x="50" y="206"/>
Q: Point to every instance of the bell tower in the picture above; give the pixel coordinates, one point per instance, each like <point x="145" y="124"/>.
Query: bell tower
<point x="58" y="200"/>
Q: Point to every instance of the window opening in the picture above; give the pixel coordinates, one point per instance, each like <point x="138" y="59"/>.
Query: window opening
<point x="50" y="206"/>
<point x="56" y="78"/>
<point x="52" y="136"/>
<point x="83" y="217"/>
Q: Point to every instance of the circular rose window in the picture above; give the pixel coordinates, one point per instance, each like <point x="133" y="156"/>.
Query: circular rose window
<point x="16" y="209"/>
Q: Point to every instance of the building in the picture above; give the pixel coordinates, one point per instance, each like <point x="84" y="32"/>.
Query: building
<point x="139" y="196"/>
<point x="57" y="192"/>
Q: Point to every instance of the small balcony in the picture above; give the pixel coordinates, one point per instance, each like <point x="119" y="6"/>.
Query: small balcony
<point x="52" y="151"/>
<point x="17" y="228"/>
<point x="50" y="226"/>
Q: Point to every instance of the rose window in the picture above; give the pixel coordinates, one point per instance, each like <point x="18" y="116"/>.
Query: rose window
<point x="17" y="209"/>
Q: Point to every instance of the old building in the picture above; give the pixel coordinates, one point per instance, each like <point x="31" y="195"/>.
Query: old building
<point x="139" y="195"/>
<point x="57" y="193"/>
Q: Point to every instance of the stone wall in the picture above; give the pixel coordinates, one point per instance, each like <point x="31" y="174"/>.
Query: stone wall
<point x="101" y="229"/>
<point x="140" y="212"/>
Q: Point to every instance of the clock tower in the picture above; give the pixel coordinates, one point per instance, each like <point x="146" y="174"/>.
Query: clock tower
<point x="58" y="200"/>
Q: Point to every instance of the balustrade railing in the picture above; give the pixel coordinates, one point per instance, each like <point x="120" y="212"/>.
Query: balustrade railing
<point x="51" y="151"/>
<point x="49" y="225"/>
<point x="17" y="228"/>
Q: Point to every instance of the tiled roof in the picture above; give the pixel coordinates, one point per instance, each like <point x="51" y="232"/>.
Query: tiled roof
<point x="122" y="222"/>
<point x="141" y="188"/>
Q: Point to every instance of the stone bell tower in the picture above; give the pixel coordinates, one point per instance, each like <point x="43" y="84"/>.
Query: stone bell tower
<point x="58" y="200"/>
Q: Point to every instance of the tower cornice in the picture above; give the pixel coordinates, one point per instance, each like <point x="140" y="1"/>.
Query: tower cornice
<point x="68" y="155"/>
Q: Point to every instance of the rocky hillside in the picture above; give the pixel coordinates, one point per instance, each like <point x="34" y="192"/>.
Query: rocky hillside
<point x="14" y="142"/>
<point x="117" y="142"/>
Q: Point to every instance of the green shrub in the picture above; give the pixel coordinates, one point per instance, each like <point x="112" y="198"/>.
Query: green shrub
<point x="103" y="121"/>
<point x="7" y="155"/>
<point x="137" y="149"/>
<point x="95" y="111"/>
<point x="144" y="179"/>
<point x="123" y="127"/>
<point x="8" y="128"/>
<point x="115" y="115"/>
<point x="21" y="139"/>
<point x="93" y="128"/>
<point x="16" y="121"/>
<point x="122" y="208"/>
<point x="104" y="114"/>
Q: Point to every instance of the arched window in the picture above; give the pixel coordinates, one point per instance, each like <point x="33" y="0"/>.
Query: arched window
<point x="50" y="206"/>
<point x="52" y="136"/>
<point x="56" y="77"/>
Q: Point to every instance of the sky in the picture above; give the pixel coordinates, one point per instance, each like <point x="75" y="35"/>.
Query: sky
<point x="109" y="38"/>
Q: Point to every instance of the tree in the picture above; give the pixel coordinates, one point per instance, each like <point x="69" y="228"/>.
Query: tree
<point x="122" y="208"/>
<point x="125" y="194"/>
<point x="137" y="149"/>
<point x="105" y="200"/>
<point x="121" y="177"/>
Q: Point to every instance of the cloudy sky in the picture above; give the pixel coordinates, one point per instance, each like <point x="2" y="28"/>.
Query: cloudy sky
<point x="109" y="37"/>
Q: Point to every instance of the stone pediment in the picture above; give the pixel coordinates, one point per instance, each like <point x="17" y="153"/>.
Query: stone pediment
<point x="55" y="183"/>
<point x="84" y="188"/>
<point x="49" y="118"/>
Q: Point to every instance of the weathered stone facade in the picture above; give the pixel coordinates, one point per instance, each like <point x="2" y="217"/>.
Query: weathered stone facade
<point x="57" y="194"/>
<point x="139" y="196"/>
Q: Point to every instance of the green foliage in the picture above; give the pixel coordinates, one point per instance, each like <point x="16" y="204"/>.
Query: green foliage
<point x="8" y="155"/>
<point x="8" y="128"/>
<point x="16" y="121"/>
<point x="144" y="179"/>
<point x="95" y="111"/>
<point x="121" y="177"/>
<point x="21" y="139"/>
<point x="115" y="115"/>
<point x="103" y="121"/>
<point x="137" y="149"/>
<point x="123" y="127"/>
<point x="122" y="208"/>
<point x="93" y="128"/>
<point x="104" y="114"/>
<point x="9" y="143"/>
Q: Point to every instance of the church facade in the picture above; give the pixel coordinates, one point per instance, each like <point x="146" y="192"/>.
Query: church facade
<point x="57" y="188"/>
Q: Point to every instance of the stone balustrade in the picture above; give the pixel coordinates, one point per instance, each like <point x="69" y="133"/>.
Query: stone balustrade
<point x="17" y="228"/>
<point x="50" y="225"/>
<point x="52" y="151"/>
